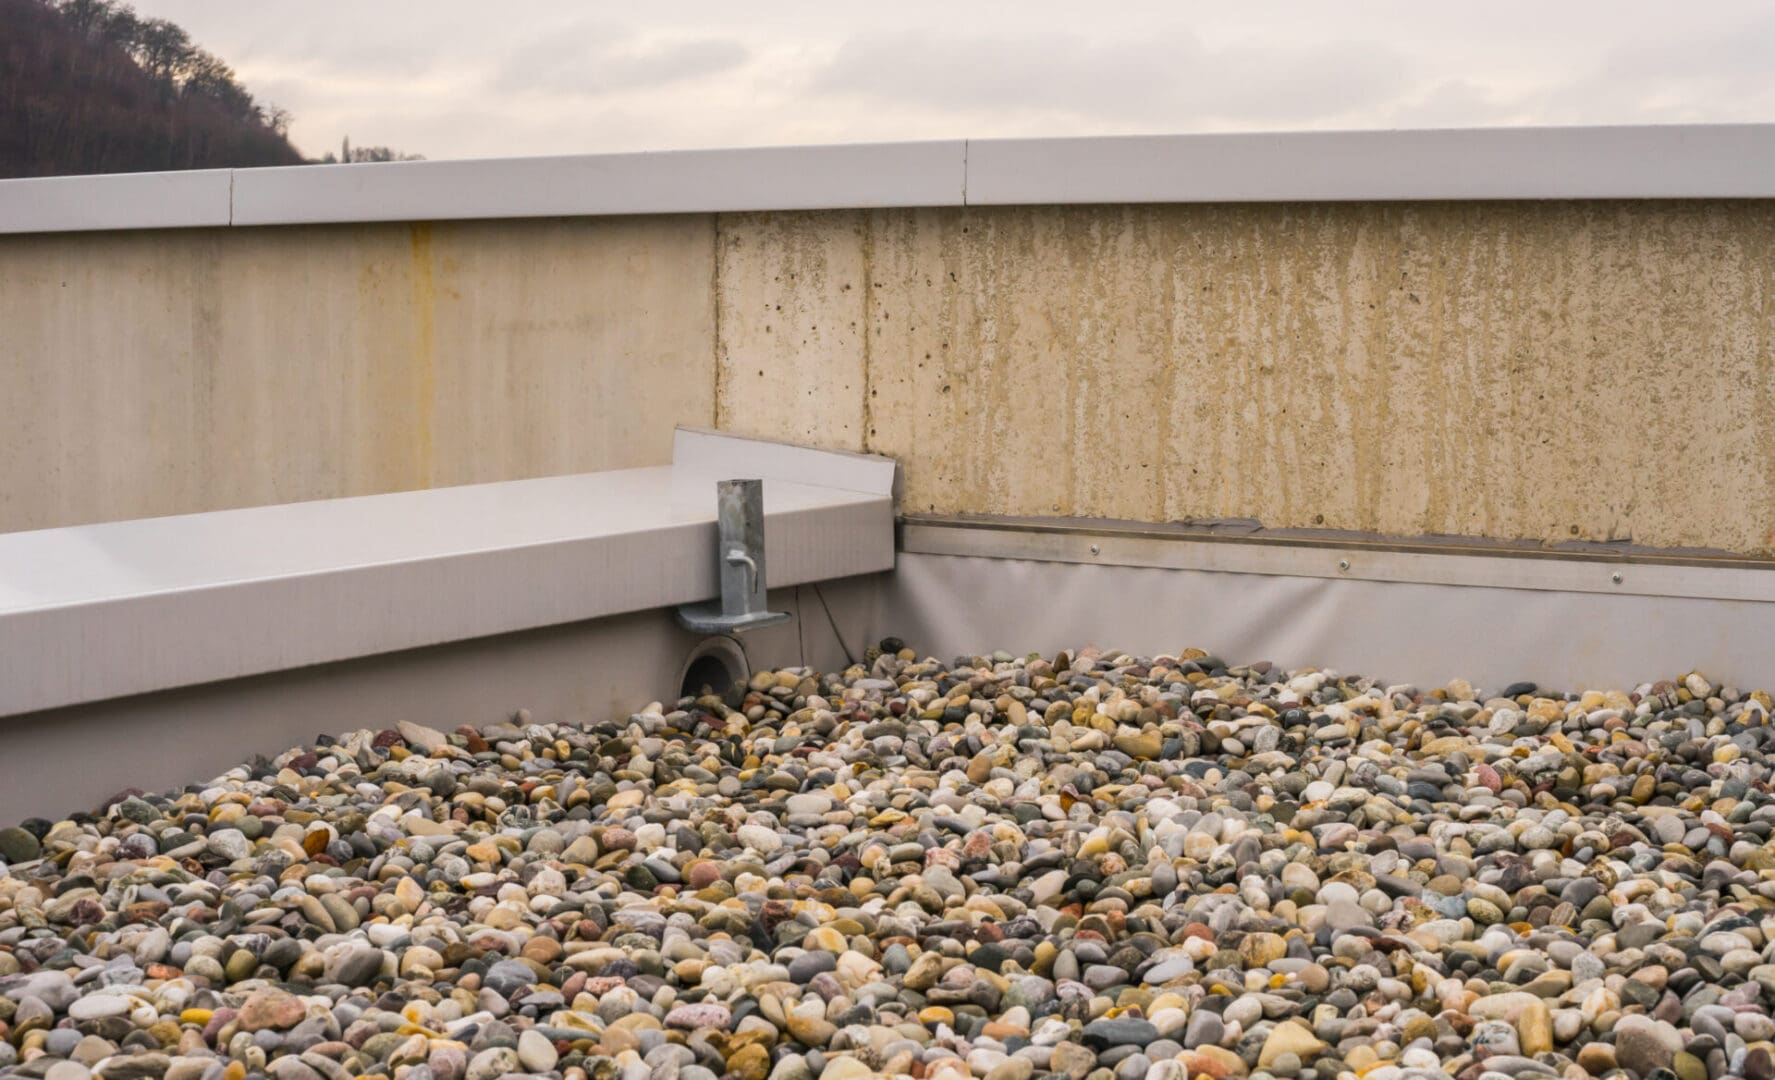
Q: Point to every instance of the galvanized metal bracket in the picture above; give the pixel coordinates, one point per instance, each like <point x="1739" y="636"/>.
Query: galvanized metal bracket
<point x="739" y="559"/>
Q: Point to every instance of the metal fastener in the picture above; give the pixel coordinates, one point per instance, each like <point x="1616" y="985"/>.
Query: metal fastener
<point x="1615" y="577"/>
<point x="1095" y="549"/>
<point x="1343" y="565"/>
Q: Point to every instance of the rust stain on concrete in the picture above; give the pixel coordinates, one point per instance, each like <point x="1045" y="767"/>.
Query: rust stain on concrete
<point x="424" y="351"/>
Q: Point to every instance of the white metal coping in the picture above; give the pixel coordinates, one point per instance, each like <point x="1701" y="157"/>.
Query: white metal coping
<point x="94" y="612"/>
<point x="1627" y="162"/>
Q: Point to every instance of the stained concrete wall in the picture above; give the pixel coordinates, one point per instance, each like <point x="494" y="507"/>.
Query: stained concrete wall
<point x="1552" y="371"/>
<point x="147" y="373"/>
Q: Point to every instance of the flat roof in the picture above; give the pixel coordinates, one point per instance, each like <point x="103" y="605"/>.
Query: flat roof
<point x="1700" y="161"/>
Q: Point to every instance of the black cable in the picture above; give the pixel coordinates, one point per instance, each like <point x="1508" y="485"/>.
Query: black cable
<point x="849" y="657"/>
<point x="800" y="638"/>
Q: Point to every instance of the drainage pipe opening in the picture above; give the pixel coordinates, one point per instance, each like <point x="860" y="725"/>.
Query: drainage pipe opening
<point x="716" y="666"/>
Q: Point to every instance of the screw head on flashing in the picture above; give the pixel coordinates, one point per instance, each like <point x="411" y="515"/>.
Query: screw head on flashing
<point x="1095" y="549"/>
<point x="1343" y="565"/>
<point x="1615" y="577"/>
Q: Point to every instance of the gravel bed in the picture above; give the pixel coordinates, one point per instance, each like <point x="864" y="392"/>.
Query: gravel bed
<point x="1086" y="866"/>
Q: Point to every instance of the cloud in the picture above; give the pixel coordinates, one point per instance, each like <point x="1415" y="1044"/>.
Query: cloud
<point x="1705" y="74"/>
<point x="1455" y="103"/>
<point x="439" y="77"/>
<point x="1169" y="79"/>
<point x="592" y="59"/>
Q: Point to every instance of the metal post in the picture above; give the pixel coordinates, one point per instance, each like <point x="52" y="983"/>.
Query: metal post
<point x="739" y="507"/>
<point x="739" y="559"/>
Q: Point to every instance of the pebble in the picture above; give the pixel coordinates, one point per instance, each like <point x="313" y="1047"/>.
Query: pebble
<point x="18" y="846"/>
<point x="1087" y="865"/>
<point x="97" y="1007"/>
<point x="535" y="1052"/>
<point x="1643" y="1044"/>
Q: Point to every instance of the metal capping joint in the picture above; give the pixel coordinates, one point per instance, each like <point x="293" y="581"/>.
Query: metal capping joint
<point x="1636" y="572"/>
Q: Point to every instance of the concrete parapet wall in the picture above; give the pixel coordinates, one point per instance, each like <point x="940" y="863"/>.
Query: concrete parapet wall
<point x="1545" y="370"/>
<point x="148" y="373"/>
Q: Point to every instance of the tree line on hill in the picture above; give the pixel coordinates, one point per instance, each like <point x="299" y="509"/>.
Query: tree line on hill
<point x="90" y="86"/>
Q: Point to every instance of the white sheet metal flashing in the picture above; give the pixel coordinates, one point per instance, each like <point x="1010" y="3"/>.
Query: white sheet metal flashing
<point x="1400" y="632"/>
<point x="674" y="182"/>
<point x="1724" y="161"/>
<point x="1098" y="544"/>
<point x="162" y="200"/>
<point x="700" y="453"/>
<point x="1628" y="162"/>
<point x="95" y="612"/>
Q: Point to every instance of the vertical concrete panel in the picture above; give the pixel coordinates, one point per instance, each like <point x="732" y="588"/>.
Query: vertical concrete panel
<point x="311" y="353"/>
<point x="91" y="416"/>
<point x="933" y="351"/>
<point x="792" y="356"/>
<point x="1549" y="371"/>
<point x="569" y="345"/>
<point x="159" y="373"/>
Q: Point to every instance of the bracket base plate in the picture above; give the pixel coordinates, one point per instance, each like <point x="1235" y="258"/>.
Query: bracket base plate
<point x="710" y="619"/>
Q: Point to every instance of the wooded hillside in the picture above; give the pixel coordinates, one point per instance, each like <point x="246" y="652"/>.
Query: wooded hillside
<point x="87" y="86"/>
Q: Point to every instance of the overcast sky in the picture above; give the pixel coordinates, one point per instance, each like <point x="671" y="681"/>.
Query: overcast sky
<point x="449" y="78"/>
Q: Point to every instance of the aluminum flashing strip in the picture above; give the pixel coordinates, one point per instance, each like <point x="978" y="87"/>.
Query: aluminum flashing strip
<point x="1638" y="162"/>
<point x="95" y="612"/>
<point x="1083" y="543"/>
<point x="164" y="200"/>
<point x="687" y="181"/>
<point x="1722" y="161"/>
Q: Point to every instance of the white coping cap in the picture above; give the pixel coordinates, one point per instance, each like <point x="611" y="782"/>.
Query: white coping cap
<point x="1704" y="161"/>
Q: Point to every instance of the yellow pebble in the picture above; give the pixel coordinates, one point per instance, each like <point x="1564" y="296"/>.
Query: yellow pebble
<point x="415" y="1029"/>
<point x="195" y="1016"/>
<point x="936" y="1014"/>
